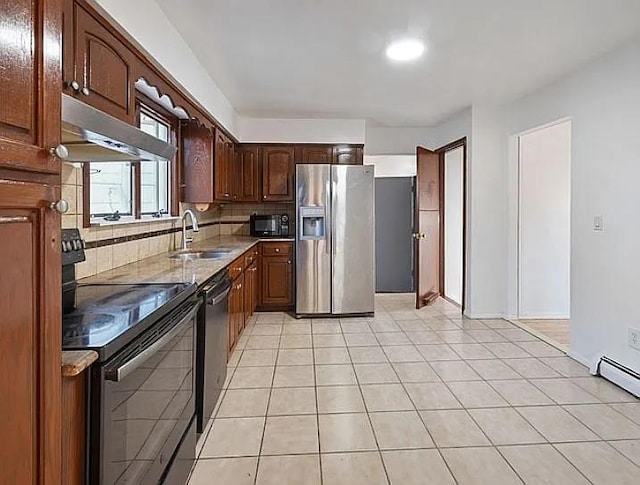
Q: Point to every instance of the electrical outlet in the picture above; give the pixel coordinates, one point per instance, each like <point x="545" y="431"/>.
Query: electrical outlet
<point x="634" y="338"/>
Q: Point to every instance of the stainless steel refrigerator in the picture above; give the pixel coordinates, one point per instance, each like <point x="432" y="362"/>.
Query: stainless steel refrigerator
<point x="335" y="256"/>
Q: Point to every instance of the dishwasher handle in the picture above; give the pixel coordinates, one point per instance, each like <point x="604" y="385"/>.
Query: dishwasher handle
<point x="212" y="301"/>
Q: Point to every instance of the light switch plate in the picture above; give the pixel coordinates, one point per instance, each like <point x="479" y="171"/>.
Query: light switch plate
<point x="597" y="223"/>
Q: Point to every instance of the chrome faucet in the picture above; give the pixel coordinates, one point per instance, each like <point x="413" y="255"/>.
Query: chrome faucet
<point x="194" y="222"/>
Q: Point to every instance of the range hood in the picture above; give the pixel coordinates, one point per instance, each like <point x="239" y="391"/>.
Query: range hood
<point x="93" y="136"/>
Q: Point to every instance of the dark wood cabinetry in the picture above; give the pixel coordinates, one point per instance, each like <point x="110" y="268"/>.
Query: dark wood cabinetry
<point x="74" y="428"/>
<point x="277" y="173"/>
<point x="30" y="84"/>
<point x="247" y="174"/>
<point x="30" y="285"/>
<point x="276" y="275"/>
<point x="30" y="342"/>
<point x="197" y="157"/>
<point x="314" y="154"/>
<point x="98" y="68"/>
<point x="236" y="311"/>
<point x="223" y="167"/>
<point x="347" y="155"/>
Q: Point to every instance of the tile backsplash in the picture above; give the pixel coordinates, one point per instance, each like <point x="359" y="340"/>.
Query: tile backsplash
<point x="219" y="219"/>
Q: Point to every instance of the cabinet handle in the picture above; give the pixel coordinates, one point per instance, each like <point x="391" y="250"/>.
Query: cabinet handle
<point x="264" y="196"/>
<point x="61" y="206"/>
<point x="59" y="151"/>
<point x="277" y="250"/>
<point x="289" y="262"/>
<point x="85" y="91"/>
<point x="239" y="287"/>
<point x="227" y="194"/>
<point x="10" y="219"/>
<point x="74" y="85"/>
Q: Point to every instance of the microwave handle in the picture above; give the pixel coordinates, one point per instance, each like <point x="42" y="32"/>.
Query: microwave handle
<point x="116" y="375"/>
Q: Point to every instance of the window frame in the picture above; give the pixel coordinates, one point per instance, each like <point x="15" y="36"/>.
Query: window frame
<point x="154" y="110"/>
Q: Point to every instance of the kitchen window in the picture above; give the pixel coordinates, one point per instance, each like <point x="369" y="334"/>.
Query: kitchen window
<point x="127" y="191"/>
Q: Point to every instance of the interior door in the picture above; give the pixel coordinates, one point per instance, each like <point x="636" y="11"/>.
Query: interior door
<point x="427" y="227"/>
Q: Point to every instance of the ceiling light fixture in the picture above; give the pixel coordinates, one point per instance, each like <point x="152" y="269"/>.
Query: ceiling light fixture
<point x="405" y="50"/>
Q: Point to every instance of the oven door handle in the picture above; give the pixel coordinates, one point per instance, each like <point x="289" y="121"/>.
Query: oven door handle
<point x="116" y="375"/>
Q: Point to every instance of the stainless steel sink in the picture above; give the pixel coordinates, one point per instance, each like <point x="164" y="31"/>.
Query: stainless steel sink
<point x="193" y="255"/>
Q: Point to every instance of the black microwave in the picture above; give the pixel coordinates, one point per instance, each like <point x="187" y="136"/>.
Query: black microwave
<point x="275" y="225"/>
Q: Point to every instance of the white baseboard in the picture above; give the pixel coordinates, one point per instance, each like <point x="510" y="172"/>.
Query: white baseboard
<point x="550" y="316"/>
<point x="484" y="316"/>
<point x="580" y="358"/>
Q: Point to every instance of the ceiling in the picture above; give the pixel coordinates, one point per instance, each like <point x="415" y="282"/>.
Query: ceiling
<point x="325" y="58"/>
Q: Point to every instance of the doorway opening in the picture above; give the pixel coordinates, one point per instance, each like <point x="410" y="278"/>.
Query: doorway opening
<point x="544" y="230"/>
<point x="439" y="224"/>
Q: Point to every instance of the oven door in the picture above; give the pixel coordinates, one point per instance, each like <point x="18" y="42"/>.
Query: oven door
<point x="146" y="403"/>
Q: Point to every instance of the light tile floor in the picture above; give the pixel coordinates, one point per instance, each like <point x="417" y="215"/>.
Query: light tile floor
<point x="413" y="397"/>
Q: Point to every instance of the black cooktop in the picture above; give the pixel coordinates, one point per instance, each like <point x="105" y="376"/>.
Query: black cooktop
<point x="106" y="317"/>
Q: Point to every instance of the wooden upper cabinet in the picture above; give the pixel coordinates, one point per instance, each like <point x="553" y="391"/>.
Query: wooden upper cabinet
<point x="30" y="84"/>
<point x="30" y="340"/>
<point x="197" y="142"/>
<point x="247" y="174"/>
<point x="277" y="173"/>
<point x="223" y="167"/>
<point x="98" y="68"/>
<point x="315" y="154"/>
<point x="347" y="155"/>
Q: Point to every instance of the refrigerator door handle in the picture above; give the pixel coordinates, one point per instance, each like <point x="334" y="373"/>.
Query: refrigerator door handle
<point x="328" y="229"/>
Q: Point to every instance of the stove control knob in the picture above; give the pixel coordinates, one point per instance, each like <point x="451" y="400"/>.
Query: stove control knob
<point x="76" y="244"/>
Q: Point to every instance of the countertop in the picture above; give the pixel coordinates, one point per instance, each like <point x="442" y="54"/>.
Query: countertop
<point x="162" y="269"/>
<point x="76" y="361"/>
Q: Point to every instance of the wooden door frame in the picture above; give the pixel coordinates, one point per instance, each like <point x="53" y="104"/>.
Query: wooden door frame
<point x="462" y="142"/>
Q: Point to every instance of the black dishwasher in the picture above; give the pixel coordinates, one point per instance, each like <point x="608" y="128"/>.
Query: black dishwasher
<point x="212" y="343"/>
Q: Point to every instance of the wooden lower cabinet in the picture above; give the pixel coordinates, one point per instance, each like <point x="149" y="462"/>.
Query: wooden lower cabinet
<point x="74" y="426"/>
<point x="236" y="311"/>
<point x="30" y="343"/>
<point x="276" y="276"/>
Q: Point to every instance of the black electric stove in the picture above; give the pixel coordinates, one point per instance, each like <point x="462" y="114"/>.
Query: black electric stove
<point x="106" y="317"/>
<point x="141" y="422"/>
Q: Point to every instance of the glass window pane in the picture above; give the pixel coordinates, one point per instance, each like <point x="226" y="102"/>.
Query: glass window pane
<point x="111" y="188"/>
<point x="154" y="195"/>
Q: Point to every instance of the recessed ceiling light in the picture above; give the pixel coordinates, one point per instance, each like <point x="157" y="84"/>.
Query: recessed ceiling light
<point x="405" y="50"/>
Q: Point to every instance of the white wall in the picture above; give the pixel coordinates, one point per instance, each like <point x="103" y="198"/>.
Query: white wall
<point x="453" y="206"/>
<point x="386" y="140"/>
<point x="268" y="130"/>
<point x="603" y="102"/>
<point x="392" y="165"/>
<point x="545" y="220"/>
<point x="150" y="27"/>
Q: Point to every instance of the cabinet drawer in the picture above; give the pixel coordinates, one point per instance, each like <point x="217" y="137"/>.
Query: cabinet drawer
<point x="237" y="267"/>
<point x="277" y="249"/>
<point x="250" y="257"/>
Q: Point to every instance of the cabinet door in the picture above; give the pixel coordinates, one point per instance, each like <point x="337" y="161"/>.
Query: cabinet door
<point x="233" y="318"/>
<point x="239" y="285"/>
<point x="104" y="66"/>
<point x="347" y="155"/>
<point x="247" y="174"/>
<point x="222" y="165"/>
<point x="277" y="281"/>
<point x="30" y="344"/>
<point x="197" y="142"/>
<point x="248" y="292"/>
<point x="277" y="173"/>
<point x="316" y="154"/>
<point x="30" y="84"/>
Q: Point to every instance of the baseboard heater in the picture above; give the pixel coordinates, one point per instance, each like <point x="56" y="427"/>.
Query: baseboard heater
<point x="617" y="373"/>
